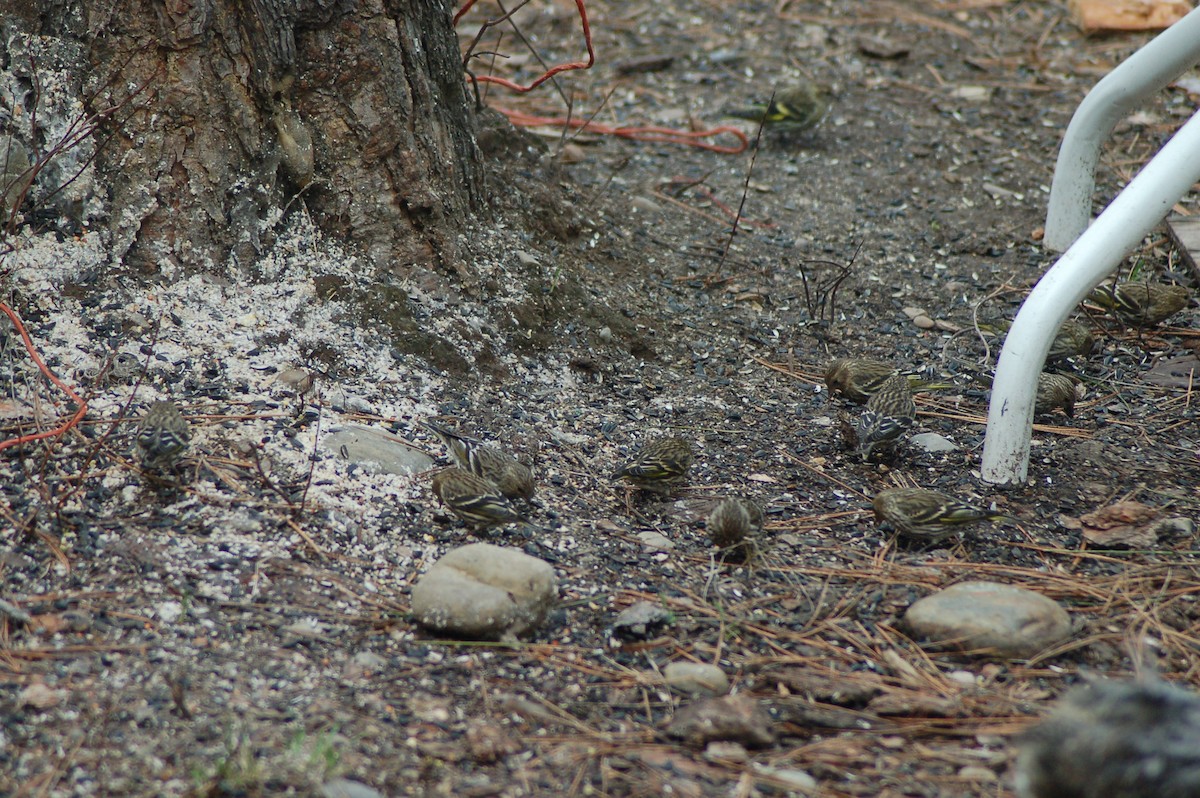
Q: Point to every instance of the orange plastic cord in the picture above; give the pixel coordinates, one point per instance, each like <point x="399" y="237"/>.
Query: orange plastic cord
<point x="83" y="408"/>
<point x="640" y="133"/>
<point x="587" y="38"/>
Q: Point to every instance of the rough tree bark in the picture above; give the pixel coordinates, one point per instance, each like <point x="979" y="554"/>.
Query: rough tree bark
<point x="228" y="109"/>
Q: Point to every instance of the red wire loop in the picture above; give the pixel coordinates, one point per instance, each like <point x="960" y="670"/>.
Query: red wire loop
<point x="83" y="408"/>
<point x="638" y="133"/>
<point x="693" y="138"/>
<point x="508" y="84"/>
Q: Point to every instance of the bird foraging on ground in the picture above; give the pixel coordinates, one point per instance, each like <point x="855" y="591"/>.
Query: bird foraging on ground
<point x="659" y="466"/>
<point x="1141" y="304"/>
<point x="1053" y="391"/>
<point x="793" y="108"/>
<point x="859" y="378"/>
<point x="473" y="499"/>
<point x="1072" y="338"/>
<point x="927" y="515"/>
<point x="890" y="413"/>
<point x="732" y="521"/>
<point x="162" y="435"/>
<point x="1116" y="739"/>
<point x="511" y="476"/>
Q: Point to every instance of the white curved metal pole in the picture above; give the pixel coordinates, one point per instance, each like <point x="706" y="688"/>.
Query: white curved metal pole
<point x="1149" y="69"/>
<point x="1093" y="256"/>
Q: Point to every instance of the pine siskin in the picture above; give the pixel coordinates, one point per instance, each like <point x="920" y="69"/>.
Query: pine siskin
<point x="797" y="108"/>
<point x="162" y="435"/>
<point x="1114" y="739"/>
<point x="1071" y="339"/>
<point x="890" y="413"/>
<point x="926" y="514"/>
<point x="473" y="498"/>
<point x="1055" y="390"/>
<point x="857" y="378"/>
<point x="1141" y="304"/>
<point x="732" y="521"/>
<point x="511" y="476"/>
<point x="659" y="466"/>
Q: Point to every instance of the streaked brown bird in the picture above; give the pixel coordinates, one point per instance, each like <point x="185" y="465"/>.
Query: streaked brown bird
<point x="162" y="435"/>
<point x="1072" y="338"/>
<point x="890" y="413"/>
<point x="510" y="475"/>
<point x="1054" y="391"/>
<point x="734" y="520"/>
<point x="473" y="499"/>
<point x="659" y="466"/>
<point x="792" y="108"/>
<point x="1141" y="304"/>
<point x="857" y="378"/>
<point x="1114" y="739"/>
<point x="927" y="515"/>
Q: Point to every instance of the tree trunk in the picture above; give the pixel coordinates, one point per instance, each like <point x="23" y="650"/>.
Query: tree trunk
<point x="210" y="115"/>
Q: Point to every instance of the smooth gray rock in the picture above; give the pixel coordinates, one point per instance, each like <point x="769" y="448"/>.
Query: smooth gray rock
<point x="640" y="621"/>
<point x="485" y="592"/>
<point x="696" y="678"/>
<point x="655" y="541"/>
<point x="932" y="442"/>
<point x="388" y="453"/>
<point x="990" y="619"/>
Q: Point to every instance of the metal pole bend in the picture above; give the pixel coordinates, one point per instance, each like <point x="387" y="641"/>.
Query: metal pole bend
<point x="1093" y="256"/>
<point x="1172" y="52"/>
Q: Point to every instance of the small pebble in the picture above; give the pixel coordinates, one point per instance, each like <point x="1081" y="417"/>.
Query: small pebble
<point x="977" y="773"/>
<point x="794" y="780"/>
<point x="641" y="620"/>
<point x="972" y="93"/>
<point x="297" y="380"/>
<point x="932" y="442"/>
<point x="655" y="541"/>
<point x="722" y="751"/>
<point x="696" y="678"/>
<point x="644" y="205"/>
<point x="347" y="788"/>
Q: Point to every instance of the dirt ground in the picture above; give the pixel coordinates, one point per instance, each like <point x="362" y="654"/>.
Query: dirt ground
<point x="246" y="631"/>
